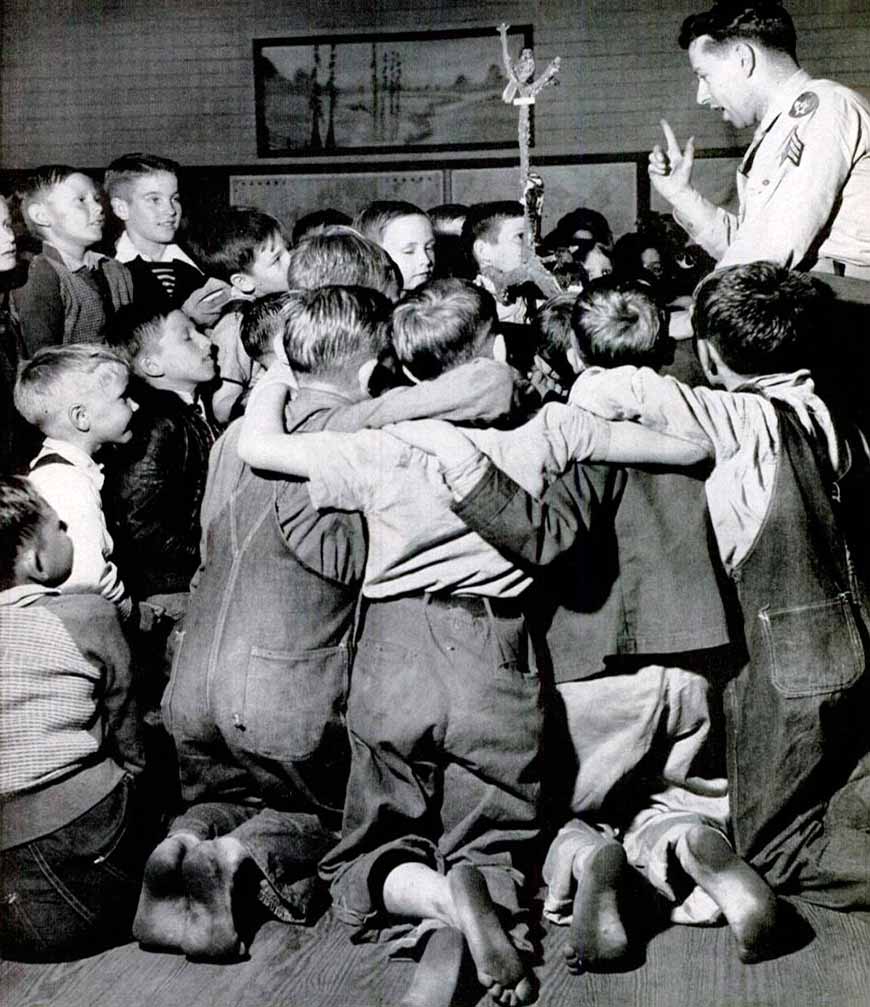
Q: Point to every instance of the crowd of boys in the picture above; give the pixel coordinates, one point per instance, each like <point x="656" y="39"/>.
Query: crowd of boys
<point x="409" y="590"/>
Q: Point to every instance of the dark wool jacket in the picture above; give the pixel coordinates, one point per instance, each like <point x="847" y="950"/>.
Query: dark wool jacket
<point x="153" y="493"/>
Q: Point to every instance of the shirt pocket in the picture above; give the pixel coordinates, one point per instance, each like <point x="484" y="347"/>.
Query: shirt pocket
<point x="813" y="649"/>
<point x="293" y="700"/>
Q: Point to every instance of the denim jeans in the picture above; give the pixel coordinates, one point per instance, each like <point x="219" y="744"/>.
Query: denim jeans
<point x="74" y="892"/>
<point x="285" y="846"/>
<point x="445" y="720"/>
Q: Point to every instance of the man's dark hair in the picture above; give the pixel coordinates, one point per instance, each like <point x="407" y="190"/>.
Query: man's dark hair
<point x="580" y="219"/>
<point x="762" y="318"/>
<point x="766" y="22"/>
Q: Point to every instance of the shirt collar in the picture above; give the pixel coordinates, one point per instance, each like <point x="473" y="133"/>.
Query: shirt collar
<point x="23" y="595"/>
<point x="126" y="251"/>
<point x="90" y="259"/>
<point x="75" y="455"/>
<point x="782" y="100"/>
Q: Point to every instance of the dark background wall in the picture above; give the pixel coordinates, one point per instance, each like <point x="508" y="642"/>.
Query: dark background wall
<point x="82" y="81"/>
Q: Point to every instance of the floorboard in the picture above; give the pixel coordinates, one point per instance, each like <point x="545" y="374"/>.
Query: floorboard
<point x="319" y="967"/>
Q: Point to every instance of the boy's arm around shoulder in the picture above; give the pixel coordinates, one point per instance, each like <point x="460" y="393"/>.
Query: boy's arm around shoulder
<point x="481" y="391"/>
<point x="702" y="416"/>
<point x="534" y="532"/>
<point x="263" y="442"/>
<point x="93" y="624"/>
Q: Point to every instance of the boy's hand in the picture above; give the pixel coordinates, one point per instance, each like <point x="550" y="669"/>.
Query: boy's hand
<point x="670" y="170"/>
<point x="205" y="305"/>
<point x="435" y="437"/>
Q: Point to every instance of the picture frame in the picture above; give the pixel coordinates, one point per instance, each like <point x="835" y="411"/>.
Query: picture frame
<point x="384" y="93"/>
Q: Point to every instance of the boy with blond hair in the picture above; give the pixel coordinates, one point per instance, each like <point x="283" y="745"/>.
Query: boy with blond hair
<point x="71" y="292"/>
<point x="78" y="398"/>
<point x="143" y="193"/>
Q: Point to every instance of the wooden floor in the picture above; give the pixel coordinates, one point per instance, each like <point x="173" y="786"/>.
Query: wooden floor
<point x="318" y="967"/>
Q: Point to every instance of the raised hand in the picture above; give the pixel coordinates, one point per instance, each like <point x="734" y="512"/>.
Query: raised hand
<point x="670" y="170"/>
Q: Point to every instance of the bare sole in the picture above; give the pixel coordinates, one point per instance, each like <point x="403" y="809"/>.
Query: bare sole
<point x="746" y="900"/>
<point x="597" y="938"/>
<point x="499" y="968"/>
<point x="436" y="978"/>
<point x="209" y="875"/>
<point x="161" y="915"/>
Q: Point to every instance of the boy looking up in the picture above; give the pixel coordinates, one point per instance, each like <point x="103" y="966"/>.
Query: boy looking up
<point x="71" y="293"/>
<point x="154" y="485"/>
<point x="782" y="499"/>
<point x="74" y="835"/>
<point x="247" y="249"/>
<point x="143" y="192"/>
<point x="77" y="396"/>
<point x="494" y="237"/>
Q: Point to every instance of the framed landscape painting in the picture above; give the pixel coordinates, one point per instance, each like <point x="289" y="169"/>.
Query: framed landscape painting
<point x="407" y="92"/>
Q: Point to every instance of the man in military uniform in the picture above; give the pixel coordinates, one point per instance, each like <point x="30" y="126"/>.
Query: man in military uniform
<point x="804" y="183"/>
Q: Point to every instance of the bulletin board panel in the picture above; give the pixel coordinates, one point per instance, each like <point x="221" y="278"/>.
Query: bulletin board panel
<point x="289" y="197"/>
<point x="610" y="188"/>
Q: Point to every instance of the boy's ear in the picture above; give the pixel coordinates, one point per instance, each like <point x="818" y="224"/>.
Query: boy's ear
<point x="575" y="361"/>
<point x="365" y="374"/>
<point x="480" y="249"/>
<point x="149" y="366"/>
<point x="79" y="417"/>
<point x="38" y="214"/>
<point x="120" y="207"/>
<point x="28" y="566"/>
<point x="242" y="282"/>
<point x="708" y="358"/>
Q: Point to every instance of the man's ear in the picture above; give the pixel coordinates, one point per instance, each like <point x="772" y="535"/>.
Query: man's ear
<point x="746" y="57"/>
<point x="38" y="214"/>
<point x="242" y="282"/>
<point x="120" y="207"/>
<point x="79" y="417"/>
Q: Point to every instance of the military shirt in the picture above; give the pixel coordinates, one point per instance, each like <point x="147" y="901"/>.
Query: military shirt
<point x="803" y="185"/>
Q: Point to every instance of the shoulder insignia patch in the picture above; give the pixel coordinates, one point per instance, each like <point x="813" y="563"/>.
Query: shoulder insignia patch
<point x="804" y="104"/>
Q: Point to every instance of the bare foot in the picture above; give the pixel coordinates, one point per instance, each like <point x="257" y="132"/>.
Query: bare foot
<point x="746" y="900"/>
<point x="436" y="977"/>
<point x="209" y="876"/>
<point x="597" y="937"/>
<point x="161" y="916"/>
<point x="499" y="967"/>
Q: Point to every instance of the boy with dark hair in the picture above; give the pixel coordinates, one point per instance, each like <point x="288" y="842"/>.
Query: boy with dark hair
<point x="494" y="239"/>
<point x="783" y="498"/>
<point x="74" y="836"/>
<point x="71" y="292"/>
<point x="445" y="710"/>
<point x="143" y="193"/>
<point x="78" y="397"/>
<point x="247" y="249"/>
<point x="154" y="485"/>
